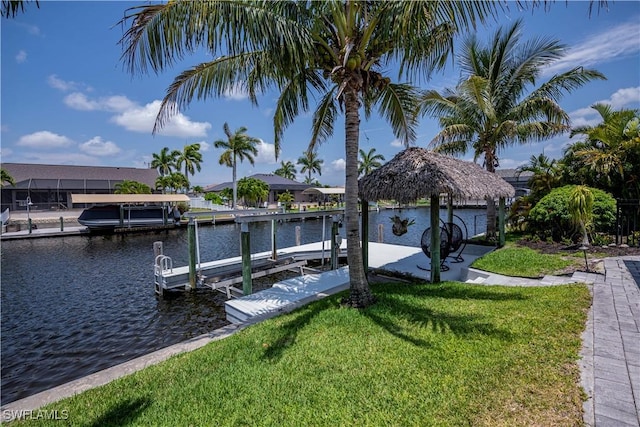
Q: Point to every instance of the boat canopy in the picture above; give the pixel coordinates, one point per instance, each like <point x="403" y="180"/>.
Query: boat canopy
<point x="323" y="191"/>
<point x="128" y="198"/>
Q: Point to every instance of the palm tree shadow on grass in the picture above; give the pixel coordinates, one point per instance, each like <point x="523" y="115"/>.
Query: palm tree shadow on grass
<point x="390" y="313"/>
<point x="288" y="331"/>
<point x="124" y="413"/>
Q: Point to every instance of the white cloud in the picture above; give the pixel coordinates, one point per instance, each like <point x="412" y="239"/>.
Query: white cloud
<point x="622" y="98"/>
<point x="5" y="152"/>
<point x="615" y="43"/>
<point x="397" y="143"/>
<point x="44" y="139"/>
<point x="204" y="146"/>
<point x="236" y="92"/>
<point x="57" y="83"/>
<point x="31" y="29"/>
<point x="21" y="57"/>
<point x="511" y="163"/>
<point x="338" y="165"/>
<point x="79" y="101"/>
<point x="96" y="146"/>
<point x="266" y="153"/>
<point x="60" y="159"/>
<point x="112" y="104"/>
<point x="142" y="119"/>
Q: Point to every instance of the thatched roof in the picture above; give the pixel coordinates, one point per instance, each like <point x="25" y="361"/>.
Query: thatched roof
<point x="416" y="172"/>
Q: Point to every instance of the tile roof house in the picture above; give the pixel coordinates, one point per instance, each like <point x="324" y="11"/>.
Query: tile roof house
<point x="50" y="186"/>
<point x="277" y="185"/>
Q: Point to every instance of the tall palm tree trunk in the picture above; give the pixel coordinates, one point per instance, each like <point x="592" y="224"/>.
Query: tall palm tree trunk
<point x="235" y="185"/>
<point x="361" y="295"/>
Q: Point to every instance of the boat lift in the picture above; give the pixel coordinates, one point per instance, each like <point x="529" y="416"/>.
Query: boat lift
<point x="223" y="275"/>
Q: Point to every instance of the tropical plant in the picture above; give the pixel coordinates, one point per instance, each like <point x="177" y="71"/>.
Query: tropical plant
<point x="226" y="194"/>
<point x="198" y="189"/>
<point x="214" y="198"/>
<point x="171" y="182"/>
<point x="551" y="216"/>
<point x="286" y="199"/>
<point x="238" y="145"/>
<point x="310" y="163"/>
<point x="131" y="187"/>
<point x="252" y="190"/>
<point x="191" y="157"/>
<point x="6" y="177"/>
<point x="337" y="50"/>
<point x="546" y="175"/>
<point x="609" y="155"/>
<point x="165" y="161"/>
<point x="493" y="108"/>
<point x="286" y="170"/>
<point x="369" y="161"/>
<point x="581" y="209"/>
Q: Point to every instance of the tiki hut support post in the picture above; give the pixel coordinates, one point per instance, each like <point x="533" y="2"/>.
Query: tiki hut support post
<point x="435" y="238"/>
<point x="365" y="234"/>
<point x="449" y="208"/>
<point x="501" y="225"/>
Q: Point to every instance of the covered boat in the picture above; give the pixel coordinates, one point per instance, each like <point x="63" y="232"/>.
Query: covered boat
<point x="111" y="211"/>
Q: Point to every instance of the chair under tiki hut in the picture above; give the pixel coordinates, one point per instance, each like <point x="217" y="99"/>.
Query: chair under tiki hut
<point x="417" y="173"/>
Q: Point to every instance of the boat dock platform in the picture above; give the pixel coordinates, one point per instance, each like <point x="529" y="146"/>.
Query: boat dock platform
<point x="289" y="294"/>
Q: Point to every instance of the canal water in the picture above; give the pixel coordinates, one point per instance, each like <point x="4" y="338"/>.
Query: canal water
<point x="72" y="306"/>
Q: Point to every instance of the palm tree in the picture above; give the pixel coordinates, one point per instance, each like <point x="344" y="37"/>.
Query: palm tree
<point x="286" y="170"/>
<point x="191" y="157"/>
<point x="165" y="161"/>
<point x="6" y="177"/>
<point x="335" y="50"/>
<point x="611" y="151"/>
<point x="492" y="107"/>
<point x="238" y="145"/>
<point x="310" y="164"/>
<point x="369" y="161"/>
<point x="546" y="174"/>
<point x="132" y="187"/>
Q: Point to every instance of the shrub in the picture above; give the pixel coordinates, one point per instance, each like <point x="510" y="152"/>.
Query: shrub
<point x="550" y="217"/>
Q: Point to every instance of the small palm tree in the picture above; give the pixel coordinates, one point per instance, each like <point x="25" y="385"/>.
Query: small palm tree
<point x="7" y="178"/>
<point x="546" y="174"/>
<point x="492" y="107"/>
<point x="165" y="161"/>
<point x="131" y="187"/>
<point x="286" y="170"/>
<point x="310" y="164"/>
<point x="191" y="157"/>
<point x="238" y="145"/>
<point x="611" y="150"/>
<point x="369" y="161"/>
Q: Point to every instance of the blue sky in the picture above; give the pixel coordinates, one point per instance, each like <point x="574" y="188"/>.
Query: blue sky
<point x="66" y="98"/>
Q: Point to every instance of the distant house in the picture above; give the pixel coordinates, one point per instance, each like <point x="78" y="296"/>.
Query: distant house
<point x="277" y="185"/>
<point x="50" y="186"/>
<point x="519" y="182"/>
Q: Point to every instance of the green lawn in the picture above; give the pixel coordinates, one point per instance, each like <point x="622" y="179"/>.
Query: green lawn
<point x="445" y="355"/>
<point x="515" y="260"/>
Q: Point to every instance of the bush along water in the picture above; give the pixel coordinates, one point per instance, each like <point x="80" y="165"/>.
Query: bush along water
<point x="551" y="216"/>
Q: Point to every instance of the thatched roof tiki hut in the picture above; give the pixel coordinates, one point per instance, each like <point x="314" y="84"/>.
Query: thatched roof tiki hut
<point x="415" y="173"/>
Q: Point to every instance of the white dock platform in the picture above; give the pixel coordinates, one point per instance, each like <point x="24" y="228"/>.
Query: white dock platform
<point x="286" y="295"/>
<point x="292" y="293"/>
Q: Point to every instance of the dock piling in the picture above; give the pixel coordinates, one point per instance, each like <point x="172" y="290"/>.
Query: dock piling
<point x="191" y="238"/>
<point x="245" y="244"/>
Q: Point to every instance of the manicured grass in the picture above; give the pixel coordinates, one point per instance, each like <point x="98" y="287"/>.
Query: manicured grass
<point x="445" y="355"/>
<point x="513" y="260"/>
